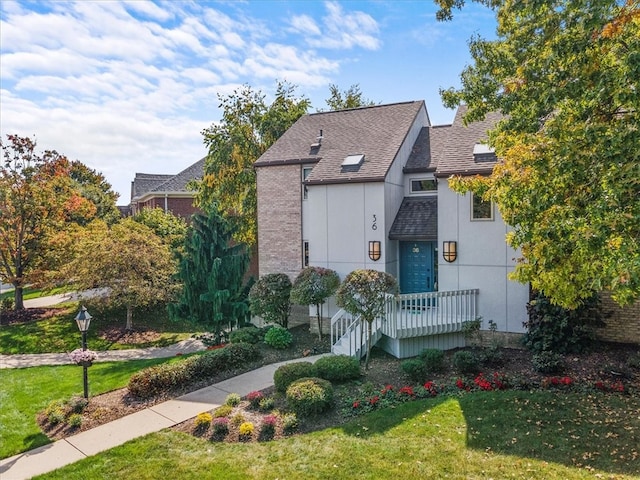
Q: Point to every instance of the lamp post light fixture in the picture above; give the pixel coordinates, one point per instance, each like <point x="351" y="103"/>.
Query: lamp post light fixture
<point x="83" y="319"/>
<point x="450" y="251"/>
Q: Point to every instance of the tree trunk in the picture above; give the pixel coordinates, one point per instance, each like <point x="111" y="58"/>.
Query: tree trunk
<point x="18" y="297"/>
<point x="129" y="325"/>
<point x="366" y="362"/>
<point x="319" y="317"/>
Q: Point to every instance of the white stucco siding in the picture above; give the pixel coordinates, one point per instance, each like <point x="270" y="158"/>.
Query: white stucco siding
<point x="484" y="261"/>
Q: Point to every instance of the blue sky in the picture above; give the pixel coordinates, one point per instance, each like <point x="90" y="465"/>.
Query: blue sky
<point x="128" y="86"/>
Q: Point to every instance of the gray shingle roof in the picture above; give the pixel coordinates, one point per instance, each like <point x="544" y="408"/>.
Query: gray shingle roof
<point x="375" y="131"/>
<point x="146" y="183"/>
<point x="417" y="219"/>
<point x="455" y="147"/>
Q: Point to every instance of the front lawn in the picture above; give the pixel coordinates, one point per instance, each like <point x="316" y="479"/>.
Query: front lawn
<point x="26" y="391"/>
<point x="59" y="332"/>
<point x="532" y="435"/>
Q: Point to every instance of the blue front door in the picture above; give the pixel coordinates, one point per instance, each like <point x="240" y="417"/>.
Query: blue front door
<point x="416" y="267"/>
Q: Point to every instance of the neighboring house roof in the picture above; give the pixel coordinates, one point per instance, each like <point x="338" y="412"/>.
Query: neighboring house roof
<point x="417" y="219"/>
<point x="146" y="184"/>
<point x="377" y="132"/>
<point x="455" y="147"/>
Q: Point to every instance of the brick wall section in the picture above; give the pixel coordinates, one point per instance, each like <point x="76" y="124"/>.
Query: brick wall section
<point x="623" y="325"/>
<point x="279" y="220"/>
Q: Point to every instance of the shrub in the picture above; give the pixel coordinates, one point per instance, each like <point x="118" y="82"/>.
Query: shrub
<point x="465" y="362"/>
<point x="270" y="298"/>
<point x="203" y="422"/>
<point x="250" y="335"/>
<point x="55" y="412"/>
<point x="338" y="368"/>
<point x="556" y="329"/>
<point x="223" y="411"/>
<point x="238" y="419"/>
<point x="245" y="430"/>
<point x="220" y="426"/>
<point x="415" y="369"/>
<point x="285" y="375"/>
<point x="269" y="423"/>
<point x="547" y="362"/>
<point x="278" y="338"/>
<point x="7" y="303"/>
<point x="289" y="423"/>
<point x="159" y="379"/>
<point x="266" y="404"/>
<point x="233" y="400"/>
<point x="78" y="404"/>
<point x="75" y="420"/>
<point x="492" y="356"/>
<point x="308" y="396"/>
<point x="433" y="360"/>
<point x="255" y="398"/>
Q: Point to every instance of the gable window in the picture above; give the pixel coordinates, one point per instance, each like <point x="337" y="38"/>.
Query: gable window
<point x="423" y="185"/>
<point x="481" y="209"/>
<point x="306" y="171"/>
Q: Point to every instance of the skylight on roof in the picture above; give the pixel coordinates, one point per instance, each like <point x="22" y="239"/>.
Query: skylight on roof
<point x="482" y="148"/>
<point x="353" y="160"/>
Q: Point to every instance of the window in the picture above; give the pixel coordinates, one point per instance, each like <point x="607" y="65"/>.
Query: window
<point x="306" y="171"/>
<point x="481" y="209"/>
<point x="423" y="185"/>
<point x="305" y="254"/>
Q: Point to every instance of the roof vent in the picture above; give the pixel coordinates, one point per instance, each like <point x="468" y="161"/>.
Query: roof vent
<point x="318" y="141"/>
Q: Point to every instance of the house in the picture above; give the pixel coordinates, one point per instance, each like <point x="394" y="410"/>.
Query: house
<point x="169" y="192"/>
<point x="367" y="188"/>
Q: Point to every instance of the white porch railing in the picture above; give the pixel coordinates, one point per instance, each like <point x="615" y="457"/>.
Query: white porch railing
<point x="408" y="315"/>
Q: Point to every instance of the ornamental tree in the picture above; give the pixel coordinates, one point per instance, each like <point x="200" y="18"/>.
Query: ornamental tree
<point x="270" y="298"/>
<point x="313" y="286"/>
<point x="566" y="75"/>
<point x="363" y="294"/>
<point x="130" y="262"/>
<point x="169" y="227"/>
<point x="248" y="127"/>
<point x="212" y="271"/>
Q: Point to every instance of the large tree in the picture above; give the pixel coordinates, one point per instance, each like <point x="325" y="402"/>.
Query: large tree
<point x="128" y="260"/>
<point x="248" y="127"/>
<point x="566" y="75"/>
<point x="36" y="201"/>
<point x="350" y="98"/>
<point x="212" y="271"/>
<point x="169" y="227"/>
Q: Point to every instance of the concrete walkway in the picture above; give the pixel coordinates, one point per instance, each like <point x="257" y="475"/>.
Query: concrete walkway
<point x="163" y="415"/>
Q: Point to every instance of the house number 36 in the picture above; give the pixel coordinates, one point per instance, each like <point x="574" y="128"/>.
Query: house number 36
<point x="374" y="225"/>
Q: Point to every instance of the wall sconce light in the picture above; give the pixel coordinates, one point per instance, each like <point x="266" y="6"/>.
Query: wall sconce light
<point x="450" y="251"/>
<point x="375" y="250"/>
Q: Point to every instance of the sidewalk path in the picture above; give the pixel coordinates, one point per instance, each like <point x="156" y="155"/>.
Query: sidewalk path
<point x="163" y="415"/>
<point x="38" y="359"/>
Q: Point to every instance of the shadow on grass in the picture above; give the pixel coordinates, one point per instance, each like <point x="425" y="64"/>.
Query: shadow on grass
<point x="580" y="430"/>
<point x="34" y="441"/>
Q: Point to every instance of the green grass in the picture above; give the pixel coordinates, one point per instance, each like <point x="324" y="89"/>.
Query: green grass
<point x="26" y="391"/>
<point x="30" y="293"/>
<point x="539" y="435"/>
<point x="60" y="332"/>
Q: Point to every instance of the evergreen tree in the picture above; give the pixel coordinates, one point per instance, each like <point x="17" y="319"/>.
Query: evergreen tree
<point x="212" y="272"/>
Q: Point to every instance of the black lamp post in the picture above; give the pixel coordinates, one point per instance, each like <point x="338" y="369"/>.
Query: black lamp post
<point x="83" y="319"/>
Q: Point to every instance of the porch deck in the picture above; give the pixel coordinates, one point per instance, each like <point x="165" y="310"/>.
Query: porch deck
<point x="408" y="316"/>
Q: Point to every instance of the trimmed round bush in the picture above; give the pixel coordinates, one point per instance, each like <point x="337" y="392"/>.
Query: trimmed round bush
<point x="285" y="375"/>
<point x="415" y="369"/>
<point x="547" y="362"/>
<point x="310" y="396"/>
<point x="465" y="362"/>
<point x="278" y="338"/>
<point x="246" y="335"/>
<point x="433" y="360"/>
<point x="338" y="368"/>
